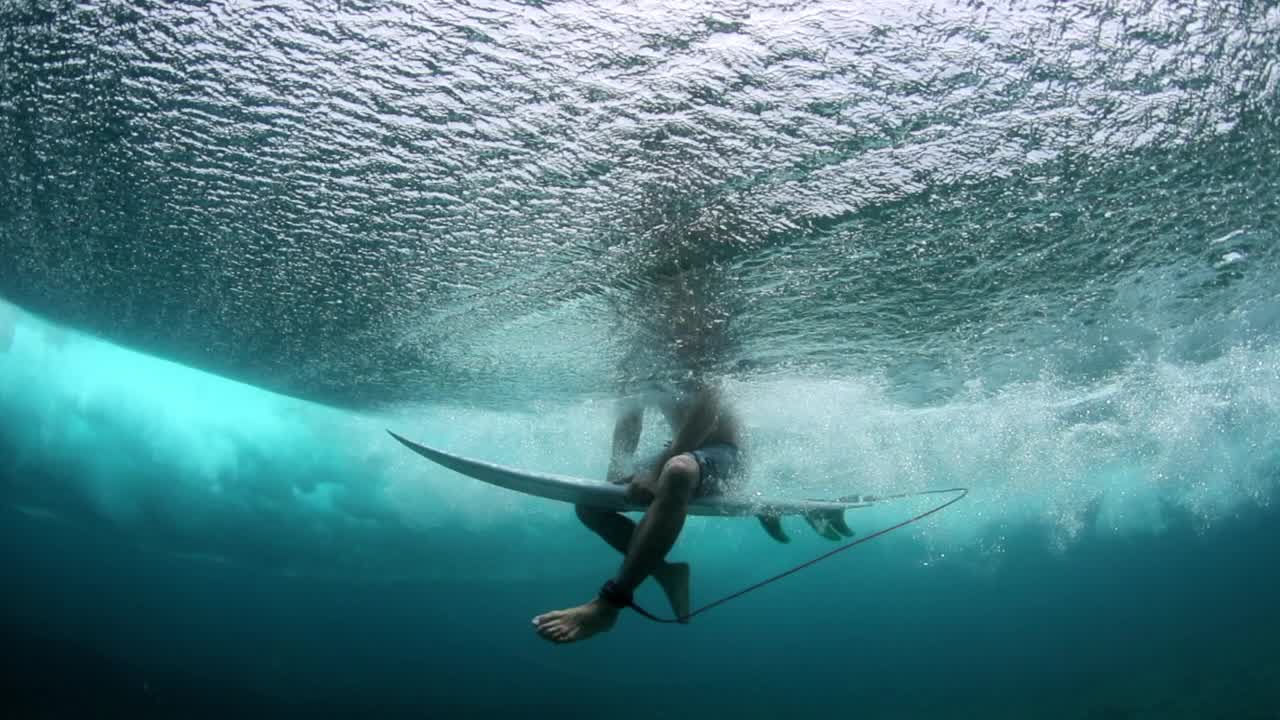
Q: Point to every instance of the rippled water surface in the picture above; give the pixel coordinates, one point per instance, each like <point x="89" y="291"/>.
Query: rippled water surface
<point x="371" y="203"/>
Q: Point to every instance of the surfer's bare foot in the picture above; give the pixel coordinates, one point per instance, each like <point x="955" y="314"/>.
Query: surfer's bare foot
<point x="674" y="579"/>
<point x="579" y="623"/>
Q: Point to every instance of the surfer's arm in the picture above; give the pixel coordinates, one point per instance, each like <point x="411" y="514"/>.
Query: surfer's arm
<point x="697" y="427"/>
<point x="626" y="436"/>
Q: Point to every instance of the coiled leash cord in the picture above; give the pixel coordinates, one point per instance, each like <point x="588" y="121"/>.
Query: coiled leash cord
<point x="616" y="596"/>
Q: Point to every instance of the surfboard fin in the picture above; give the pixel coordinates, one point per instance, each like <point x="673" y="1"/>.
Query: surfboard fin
<point x="829" y="524"/>
<point x="772" y="524"/>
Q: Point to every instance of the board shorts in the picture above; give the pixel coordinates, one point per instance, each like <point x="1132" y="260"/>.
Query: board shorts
<point x="717" y="469"/>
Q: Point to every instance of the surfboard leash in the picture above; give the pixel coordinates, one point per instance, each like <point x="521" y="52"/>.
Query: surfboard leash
<point x="960" y="494"/>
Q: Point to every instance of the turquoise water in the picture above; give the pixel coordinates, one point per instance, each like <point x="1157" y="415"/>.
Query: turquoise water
<point x="1030" y="249"/>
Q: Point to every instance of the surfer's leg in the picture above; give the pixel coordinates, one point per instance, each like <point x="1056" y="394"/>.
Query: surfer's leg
<point x="617" y="530"/>
<point x="614" y="527"/>
<point x="650" y="543"/>
<point x="662" y="522"/>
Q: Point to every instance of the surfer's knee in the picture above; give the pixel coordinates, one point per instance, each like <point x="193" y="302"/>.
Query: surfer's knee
<point x="679" y="476"/>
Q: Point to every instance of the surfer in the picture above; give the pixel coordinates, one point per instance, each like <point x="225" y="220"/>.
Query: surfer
<point x="701" y="459"/>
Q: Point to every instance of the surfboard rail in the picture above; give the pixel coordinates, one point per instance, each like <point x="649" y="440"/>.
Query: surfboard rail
<point x="607" y="496"/>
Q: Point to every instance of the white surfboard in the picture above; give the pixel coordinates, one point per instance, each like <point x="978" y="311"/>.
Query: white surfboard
<point x="826" y="516"/>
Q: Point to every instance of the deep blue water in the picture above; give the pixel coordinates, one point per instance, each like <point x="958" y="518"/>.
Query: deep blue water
<point x="1029" y="249"/>
<point x="1182" y="625"/>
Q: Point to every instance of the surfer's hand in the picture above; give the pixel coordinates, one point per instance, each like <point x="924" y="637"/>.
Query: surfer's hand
<point x="642" y="486"/>
<point x="616" y="473"/>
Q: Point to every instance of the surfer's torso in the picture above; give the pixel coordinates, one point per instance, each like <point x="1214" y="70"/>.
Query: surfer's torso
<point x="679" y="404"/>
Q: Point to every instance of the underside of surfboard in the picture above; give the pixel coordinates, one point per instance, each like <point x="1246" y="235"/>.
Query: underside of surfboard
<point x="826" y="517"/>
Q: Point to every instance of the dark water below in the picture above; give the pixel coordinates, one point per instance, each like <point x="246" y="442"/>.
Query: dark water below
<point x="1178" y="625"/>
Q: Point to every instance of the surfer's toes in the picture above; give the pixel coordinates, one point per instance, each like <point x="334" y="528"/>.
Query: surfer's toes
<point x="549" y="629"/>
<point x="580" y="623"/>
<point x="546" y="618"/>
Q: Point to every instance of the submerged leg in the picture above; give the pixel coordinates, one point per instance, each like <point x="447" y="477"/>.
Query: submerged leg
<point x="649" y="544"/>
<point x="614" y="527"/>
<point x="617" y="530"/>
<point x="662" y="522"/>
